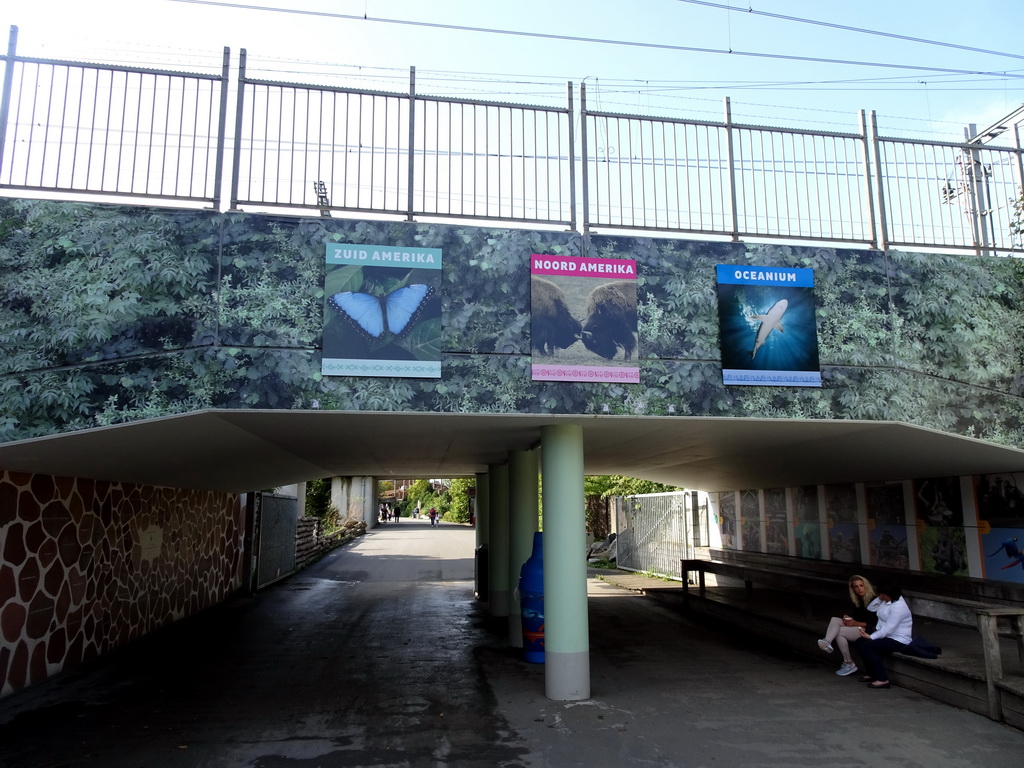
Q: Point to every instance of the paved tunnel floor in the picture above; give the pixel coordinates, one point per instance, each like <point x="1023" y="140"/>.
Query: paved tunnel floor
<point x="378" y="656"/>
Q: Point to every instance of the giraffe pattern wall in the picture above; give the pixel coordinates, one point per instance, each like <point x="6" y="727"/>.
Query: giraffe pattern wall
<point x="87" y="566"/>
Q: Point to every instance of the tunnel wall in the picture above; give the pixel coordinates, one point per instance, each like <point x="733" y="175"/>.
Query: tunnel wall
<point x="88" y="566"/>
<point x="953" y="526"/>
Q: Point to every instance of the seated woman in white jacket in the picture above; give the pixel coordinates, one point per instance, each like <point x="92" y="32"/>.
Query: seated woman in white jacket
<point x="893" y="633"/>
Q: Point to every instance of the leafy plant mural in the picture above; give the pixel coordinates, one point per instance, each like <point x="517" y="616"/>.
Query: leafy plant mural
<point x="934" y="340"/>
<point x="112" y="314"/>
<point x="85" y="284"/>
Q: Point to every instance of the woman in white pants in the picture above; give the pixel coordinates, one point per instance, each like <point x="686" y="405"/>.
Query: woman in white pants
<point x="845" y="629"/>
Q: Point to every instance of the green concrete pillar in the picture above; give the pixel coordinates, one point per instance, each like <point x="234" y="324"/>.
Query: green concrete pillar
<point x="523" y="509"/>
<point x="497" y="552"/>
<point x="566" y="634"/>
<point x="483" y="515"/>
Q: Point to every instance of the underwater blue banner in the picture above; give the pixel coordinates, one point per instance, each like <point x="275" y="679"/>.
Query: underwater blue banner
<point x="767" y="326"/>
<point x="799" y="277"/>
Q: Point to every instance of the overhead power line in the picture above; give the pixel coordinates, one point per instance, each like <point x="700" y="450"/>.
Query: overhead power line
<point x="859" y="30"/>
<point x="596" y="40"/>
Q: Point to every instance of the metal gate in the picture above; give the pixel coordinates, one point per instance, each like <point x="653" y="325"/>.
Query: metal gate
<point x="278" y="519"/>
<point x="657" y="530"/>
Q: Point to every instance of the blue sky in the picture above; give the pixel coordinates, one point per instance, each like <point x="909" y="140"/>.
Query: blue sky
<point x="914" y="96"/>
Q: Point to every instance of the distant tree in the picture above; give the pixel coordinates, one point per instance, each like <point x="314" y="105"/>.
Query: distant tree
<point x="458" y="493"/>
<point x="621" y="485"/>
<point x="318" y="504"/>
<point x="318" y="497"/>
<point x="599" y="488"/>
<point x="417" y="492"/>
<point x="596" y="513"/>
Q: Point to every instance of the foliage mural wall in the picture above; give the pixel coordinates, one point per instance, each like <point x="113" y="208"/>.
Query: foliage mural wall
<point x="112" y="314"/>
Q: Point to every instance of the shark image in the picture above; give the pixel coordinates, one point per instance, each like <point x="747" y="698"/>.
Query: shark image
<point x="769" y="322"/>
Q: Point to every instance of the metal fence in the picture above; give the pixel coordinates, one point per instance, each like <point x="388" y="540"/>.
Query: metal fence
<point x="377" y="152"/>
<point x="949" y="194"/>
<point x="97" y="130"/>
<point x="722" y="178"/>
<point x="277" y="522"/>
<point x="91" y="129"/>
<point x="655" y="531"/>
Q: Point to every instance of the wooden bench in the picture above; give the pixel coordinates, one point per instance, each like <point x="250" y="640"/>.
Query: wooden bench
<point x="801" y="585"/>
<point x="806" y="579"/>
<point x="966" y="588"/>
<point x="985" y="617"/>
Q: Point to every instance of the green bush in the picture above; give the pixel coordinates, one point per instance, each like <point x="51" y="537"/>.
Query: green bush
<point x="318" y="505"/>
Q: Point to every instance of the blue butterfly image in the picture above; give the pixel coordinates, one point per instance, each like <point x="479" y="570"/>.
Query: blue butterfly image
<point x="376" y="316"/>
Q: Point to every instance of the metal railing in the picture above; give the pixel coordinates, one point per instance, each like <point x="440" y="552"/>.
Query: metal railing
<point x="302" y="146"/>
<point x="945" y="194"/>
<point x="97" y="130"/>
<point x="658" y="530"/>
<point x="93" y="129"/>
<point x="723" y="178"/>
<point x="377" y="152"/>
<point x="503" y="162"/>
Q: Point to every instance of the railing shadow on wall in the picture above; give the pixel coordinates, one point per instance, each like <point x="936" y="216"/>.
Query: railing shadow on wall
<point x="123" y="133"/>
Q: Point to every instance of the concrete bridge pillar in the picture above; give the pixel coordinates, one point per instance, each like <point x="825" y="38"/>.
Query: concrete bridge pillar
<point x="523" y="511"/>
<point x="483" y="519"/>
<point x="497" y="554"/>
<point x="355" y="498"/>
<point x="566" y="631"/>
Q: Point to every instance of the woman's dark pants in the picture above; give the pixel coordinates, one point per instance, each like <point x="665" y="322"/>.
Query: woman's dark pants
<point x="873" y="652"/>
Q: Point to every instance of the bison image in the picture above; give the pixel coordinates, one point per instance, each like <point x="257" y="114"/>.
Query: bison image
<point x="552" y="325"/>
<point x="611" y="319"/>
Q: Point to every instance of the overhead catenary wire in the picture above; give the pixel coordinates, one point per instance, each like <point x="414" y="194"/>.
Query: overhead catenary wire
<point x="858" y="30"/>
<point x="582" y="39"/>
<point x="497" y="85"/>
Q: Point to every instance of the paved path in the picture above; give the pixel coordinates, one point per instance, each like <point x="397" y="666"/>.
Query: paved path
<point x="378" y="656"/>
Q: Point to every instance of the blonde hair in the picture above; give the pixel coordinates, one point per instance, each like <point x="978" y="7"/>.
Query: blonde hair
<point x="869" y="591"/>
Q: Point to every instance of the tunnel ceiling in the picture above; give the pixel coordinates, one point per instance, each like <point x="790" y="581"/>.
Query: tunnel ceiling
<point x="249" y="450"/>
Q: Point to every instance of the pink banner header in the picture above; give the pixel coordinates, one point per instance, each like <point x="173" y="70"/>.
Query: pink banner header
<point x="618" y="269"/>
<point x="553" y="372"/>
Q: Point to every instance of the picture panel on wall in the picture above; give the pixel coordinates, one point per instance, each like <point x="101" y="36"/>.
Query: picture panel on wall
<point x="1000" y="501"/>
<point x="843" y="528"/>
<point x="941" y="538"/>
<point x="727" y="519"/>
<point x="583" y="322"/>
<point x="776" y="525"/>
<point x="806" y="521"/>
<point x="1004" y="559"/>
<point x="382" y="311"/>
<point x="887" y="525"/>
<point x="768" y="330"/>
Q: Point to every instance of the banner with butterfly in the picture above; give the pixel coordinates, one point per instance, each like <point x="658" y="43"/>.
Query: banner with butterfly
<point x="382" y="311"/>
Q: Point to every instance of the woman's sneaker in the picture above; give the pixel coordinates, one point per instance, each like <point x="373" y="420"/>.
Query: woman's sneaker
<point x="825" y="645"/>
<point x="846" y="669"/>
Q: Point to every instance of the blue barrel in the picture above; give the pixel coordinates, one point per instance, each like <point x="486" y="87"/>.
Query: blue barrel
<point x="531" y="601"/>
